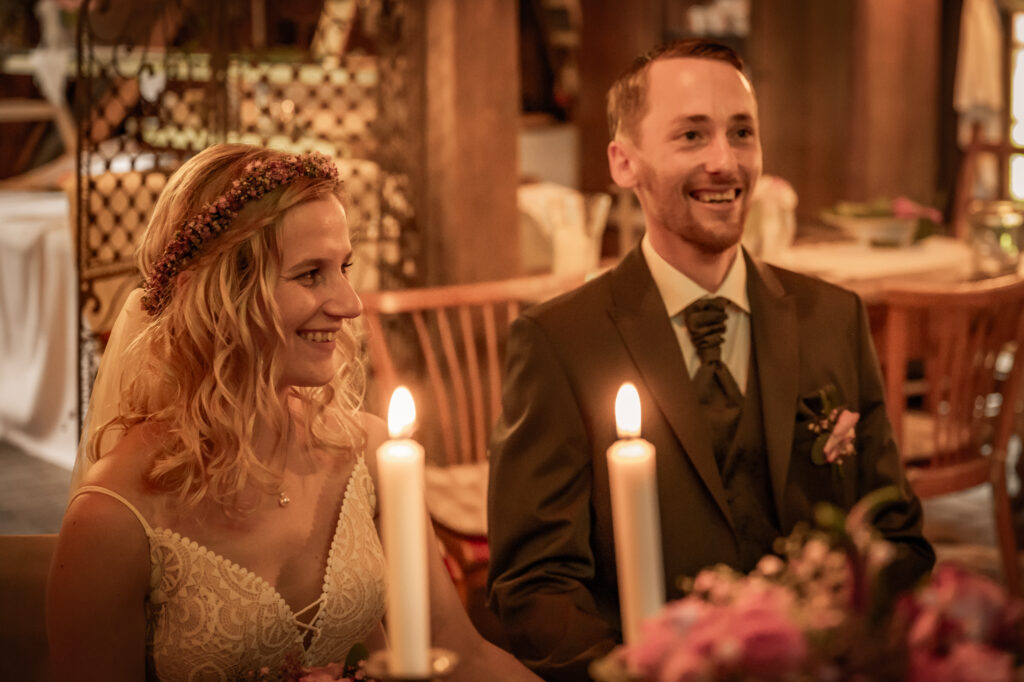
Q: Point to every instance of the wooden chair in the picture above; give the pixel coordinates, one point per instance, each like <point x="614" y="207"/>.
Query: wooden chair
<point x="455" y="334"/>
<point x="24" y="566"/>
<point x="447" y="344"/>
<point x="968" y="336"/>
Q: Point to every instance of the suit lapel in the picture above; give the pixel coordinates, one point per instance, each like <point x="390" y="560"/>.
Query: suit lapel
<point x="776" y="345"/>
<point x="639" y="314"/>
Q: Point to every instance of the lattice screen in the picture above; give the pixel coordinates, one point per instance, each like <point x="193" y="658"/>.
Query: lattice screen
<point x="158" y="82"/>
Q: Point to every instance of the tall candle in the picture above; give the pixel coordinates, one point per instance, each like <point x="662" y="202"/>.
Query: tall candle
<point x="404" y="533"/>
<point x="635" y="520"/>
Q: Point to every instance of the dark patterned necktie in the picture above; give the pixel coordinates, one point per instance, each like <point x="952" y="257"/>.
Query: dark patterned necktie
<point x="717" y="391"/>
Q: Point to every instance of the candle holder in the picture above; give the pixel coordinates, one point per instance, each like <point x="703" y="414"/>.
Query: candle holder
<point x="442" y="665"/>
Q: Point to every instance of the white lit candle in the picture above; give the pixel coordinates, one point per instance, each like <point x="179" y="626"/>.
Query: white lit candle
<point x="635" y="519"/>
<point x="404" y="533"/>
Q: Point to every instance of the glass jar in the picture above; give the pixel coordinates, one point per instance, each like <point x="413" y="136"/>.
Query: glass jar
<point x="997" y="236"/>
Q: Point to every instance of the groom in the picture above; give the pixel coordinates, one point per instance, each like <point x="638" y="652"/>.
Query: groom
<point x="737" y="364"/>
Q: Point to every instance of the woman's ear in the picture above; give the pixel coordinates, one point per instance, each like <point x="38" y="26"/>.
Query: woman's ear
<point x="621" y="163"/>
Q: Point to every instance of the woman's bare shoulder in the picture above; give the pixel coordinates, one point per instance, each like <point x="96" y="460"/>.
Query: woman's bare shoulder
<point x="100" y="571"/>
<point x="98" y="526"/>
<point x="123" y="470"/>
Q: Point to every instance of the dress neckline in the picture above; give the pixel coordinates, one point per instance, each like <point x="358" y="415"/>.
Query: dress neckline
<point x="264" y="584"/>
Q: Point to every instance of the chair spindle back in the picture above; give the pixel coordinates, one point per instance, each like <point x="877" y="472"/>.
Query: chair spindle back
<point x="449" y="343"/>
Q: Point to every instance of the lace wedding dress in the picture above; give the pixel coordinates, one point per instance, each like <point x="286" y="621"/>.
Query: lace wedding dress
<point x="211" y="619"/>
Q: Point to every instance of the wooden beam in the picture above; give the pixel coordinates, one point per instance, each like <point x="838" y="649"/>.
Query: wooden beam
<point x="472" y="124"/>
<point x="892" y="144"/>
<point x="611" y="38"/>
<point x="804" y="97"/>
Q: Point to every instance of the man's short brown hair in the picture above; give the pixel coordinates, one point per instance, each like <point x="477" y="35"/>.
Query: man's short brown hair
<point x="627" y="98"/>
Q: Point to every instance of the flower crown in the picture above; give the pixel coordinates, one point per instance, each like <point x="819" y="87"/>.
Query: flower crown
<point x="258" y="179"/>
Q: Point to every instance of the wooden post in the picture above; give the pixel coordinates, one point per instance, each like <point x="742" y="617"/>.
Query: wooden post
<point x="614" y="33"/>
<point x="893" y="139"/>
<point x="803" y="93"/>
<point x="472" y="123"/>
<point x="850" y="110"/>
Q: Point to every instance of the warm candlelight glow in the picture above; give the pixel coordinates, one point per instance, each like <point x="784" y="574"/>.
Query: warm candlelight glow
<point x="401" y="413"/>
<point x="403" y="520"/>
<point x="627" y="411"/>
<point x="636" y="524"/>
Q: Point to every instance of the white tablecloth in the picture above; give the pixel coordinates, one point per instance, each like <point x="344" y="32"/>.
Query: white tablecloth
<point x="38" y="409"/>
<point x="867" y="270"/>
<point x="457" y="496"/>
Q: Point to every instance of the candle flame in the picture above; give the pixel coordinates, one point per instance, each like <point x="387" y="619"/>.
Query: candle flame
<point x="401" y="413"/>
<point x="627" y="411"/>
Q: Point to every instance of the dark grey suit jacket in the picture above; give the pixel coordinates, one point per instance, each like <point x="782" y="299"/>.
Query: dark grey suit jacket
<point x="552" y="575"/>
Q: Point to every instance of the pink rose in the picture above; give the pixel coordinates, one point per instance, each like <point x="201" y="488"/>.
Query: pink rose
<point x="753" y="640"/>
<point x="771" y="645"/>
<point x="840" y="442"/>
<point x="663" y="632"/>
<point x="958" y="604"/>
<point x="649" y="653"/>
<point x="685" y="665"/>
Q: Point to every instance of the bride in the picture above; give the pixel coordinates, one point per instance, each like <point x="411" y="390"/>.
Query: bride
<point x="228" y="522"/>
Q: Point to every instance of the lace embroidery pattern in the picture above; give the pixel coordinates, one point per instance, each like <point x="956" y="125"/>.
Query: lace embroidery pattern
<point x="211" y="619"/>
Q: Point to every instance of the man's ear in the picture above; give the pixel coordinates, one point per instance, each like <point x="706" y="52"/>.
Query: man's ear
<point x="621" y="163"/>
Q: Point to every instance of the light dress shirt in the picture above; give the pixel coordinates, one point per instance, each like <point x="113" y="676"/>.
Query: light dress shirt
<point x="678" y="291"/>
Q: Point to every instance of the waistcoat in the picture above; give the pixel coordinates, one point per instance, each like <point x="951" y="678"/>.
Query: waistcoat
<point x="747" y="480"/>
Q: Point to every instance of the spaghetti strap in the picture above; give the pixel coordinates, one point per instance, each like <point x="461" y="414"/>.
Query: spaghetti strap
<point x="111" y="493"/>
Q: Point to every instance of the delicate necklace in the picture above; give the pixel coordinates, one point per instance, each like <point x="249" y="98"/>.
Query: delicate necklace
<point x="282" y="497"/>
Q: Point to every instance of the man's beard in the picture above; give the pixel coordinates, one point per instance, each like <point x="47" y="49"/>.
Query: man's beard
<point x="671" y="206"/>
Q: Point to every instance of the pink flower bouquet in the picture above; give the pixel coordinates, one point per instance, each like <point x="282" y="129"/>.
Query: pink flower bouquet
<point x="819" y="612"/>
<point x="963" y="627"/>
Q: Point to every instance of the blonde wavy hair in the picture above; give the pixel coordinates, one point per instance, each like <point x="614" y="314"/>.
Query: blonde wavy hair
<point x="205" y="366"/>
